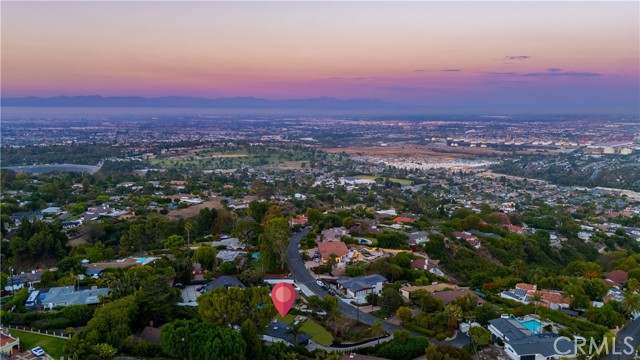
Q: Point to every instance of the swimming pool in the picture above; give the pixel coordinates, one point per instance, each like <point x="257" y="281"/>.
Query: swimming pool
<point x="532" y="325"/>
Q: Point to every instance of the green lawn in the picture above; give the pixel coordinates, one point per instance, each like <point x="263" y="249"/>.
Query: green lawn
<point x="319" y="334"/>
<point x="395" y="180"/>
<point x="52" y="345"/>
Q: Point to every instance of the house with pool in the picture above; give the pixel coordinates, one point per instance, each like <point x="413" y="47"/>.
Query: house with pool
<point x="525" y="339"/>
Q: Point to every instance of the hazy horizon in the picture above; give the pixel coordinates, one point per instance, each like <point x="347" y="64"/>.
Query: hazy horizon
<point x="530" y="57"/>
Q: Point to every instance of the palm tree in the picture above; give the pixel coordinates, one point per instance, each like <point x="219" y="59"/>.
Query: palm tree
<point x="295" y="330"/>
<point x="631" y="303"/>
<point x="536" y="299"/>
<point x="377" y="330"/>
<point x="187" y="228"/>
<point x="455" y="315"/>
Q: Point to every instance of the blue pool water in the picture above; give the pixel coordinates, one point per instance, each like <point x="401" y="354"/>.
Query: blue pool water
<point x="532" y="325"/>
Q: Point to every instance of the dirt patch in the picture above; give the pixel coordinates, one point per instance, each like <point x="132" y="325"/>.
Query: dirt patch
<point x="412" y="151"/>
<point x="193" y="210"/>
<point x="492" y="352"/>
<point x="80" y="238"/>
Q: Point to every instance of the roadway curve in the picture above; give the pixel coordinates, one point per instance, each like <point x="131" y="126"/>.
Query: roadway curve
<point x="629" y="333"/>
<point x="304" y="278"/>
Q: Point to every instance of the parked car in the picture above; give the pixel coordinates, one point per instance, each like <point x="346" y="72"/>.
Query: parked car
<point x="37" y="351"/>
<point x="178" y="285"/>
<point x="320" y="283"/>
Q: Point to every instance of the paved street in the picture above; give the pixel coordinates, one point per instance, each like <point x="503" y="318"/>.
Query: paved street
<point x="304" y="277"/>
<point x="631" y="331"/>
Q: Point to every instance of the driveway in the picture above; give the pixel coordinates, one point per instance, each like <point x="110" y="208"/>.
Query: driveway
<point x="190" y="294"/>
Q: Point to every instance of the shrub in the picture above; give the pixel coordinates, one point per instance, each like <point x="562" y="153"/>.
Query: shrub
<point x="408" y="348"/>
<point x="136" y="346"/>
<point x="52" y="323"/>
<point x="79" y="315"/>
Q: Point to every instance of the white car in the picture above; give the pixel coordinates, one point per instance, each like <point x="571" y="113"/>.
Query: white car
<point x="37" y="351"/>
<point x="320" y="283"/>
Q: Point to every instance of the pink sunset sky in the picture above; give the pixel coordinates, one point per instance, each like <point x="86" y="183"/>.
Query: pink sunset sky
<point x="456" y="53"/>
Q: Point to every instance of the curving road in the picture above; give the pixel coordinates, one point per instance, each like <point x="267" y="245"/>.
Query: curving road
<point x="629" y="335"/>
<point x="304" y="278"/>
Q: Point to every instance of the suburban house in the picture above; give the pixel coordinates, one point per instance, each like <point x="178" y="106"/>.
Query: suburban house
<point x="224" y="281"/>
<point x="616" y="278"/>
<point x="68" y="295"/>
<point x="418" y="237"/>
<point x="519" y="293"/>
<point x="360" y="286"/>
<point x="229" y="243"/>
<point x="448" y="296"/>
<point x="17" y="282"/>
<point x="430" y="265"/>
<point x="98" y="267"/>
<point x="402" y="220"/>
<point x="520" y="343"/>
<point x="8" y="342"/>
<point x="338" y="248"/>
<point x="300" y="220"/>
<point x="334" y="234"/>
<point x="514" y="229"/>
<point x="52" y="211"/>
<point x="406" y="291"/>
<point x="230" y="255"/>
<point x="278" y="331"/>
<point x="468" y="237"/>
<point x="549" y="298"/>
<point x="31" y="216"/>
<point x="93" y="213"/>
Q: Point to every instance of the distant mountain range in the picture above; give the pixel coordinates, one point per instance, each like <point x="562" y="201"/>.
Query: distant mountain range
<point x="182" y="101"/>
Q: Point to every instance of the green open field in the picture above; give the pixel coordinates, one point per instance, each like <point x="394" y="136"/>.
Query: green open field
<point x="395" y="180"/>
<point x="319" y="334"/>
<point x="52" y="345"/>
<point x="217" y="159"/>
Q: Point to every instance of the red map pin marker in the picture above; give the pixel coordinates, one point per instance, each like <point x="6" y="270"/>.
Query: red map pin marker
<point x="283" y="296"/>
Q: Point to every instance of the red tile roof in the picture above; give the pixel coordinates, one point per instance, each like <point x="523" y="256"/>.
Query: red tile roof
<point x="525" y="286"/>
<point x="299" y="220"/>
<point x="402" y="219"/>
<point x="332" y="247"/>
<point x="6" y="339"/>
<point x="617" y="276"/>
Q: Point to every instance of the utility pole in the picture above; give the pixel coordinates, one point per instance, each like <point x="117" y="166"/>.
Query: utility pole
<point x="13" y="289"/>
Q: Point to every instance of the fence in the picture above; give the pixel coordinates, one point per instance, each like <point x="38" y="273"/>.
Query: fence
<point x="38" y="331"/>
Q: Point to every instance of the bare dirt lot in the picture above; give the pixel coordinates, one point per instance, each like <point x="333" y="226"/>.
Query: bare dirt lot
<point x="414" y="151"/>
